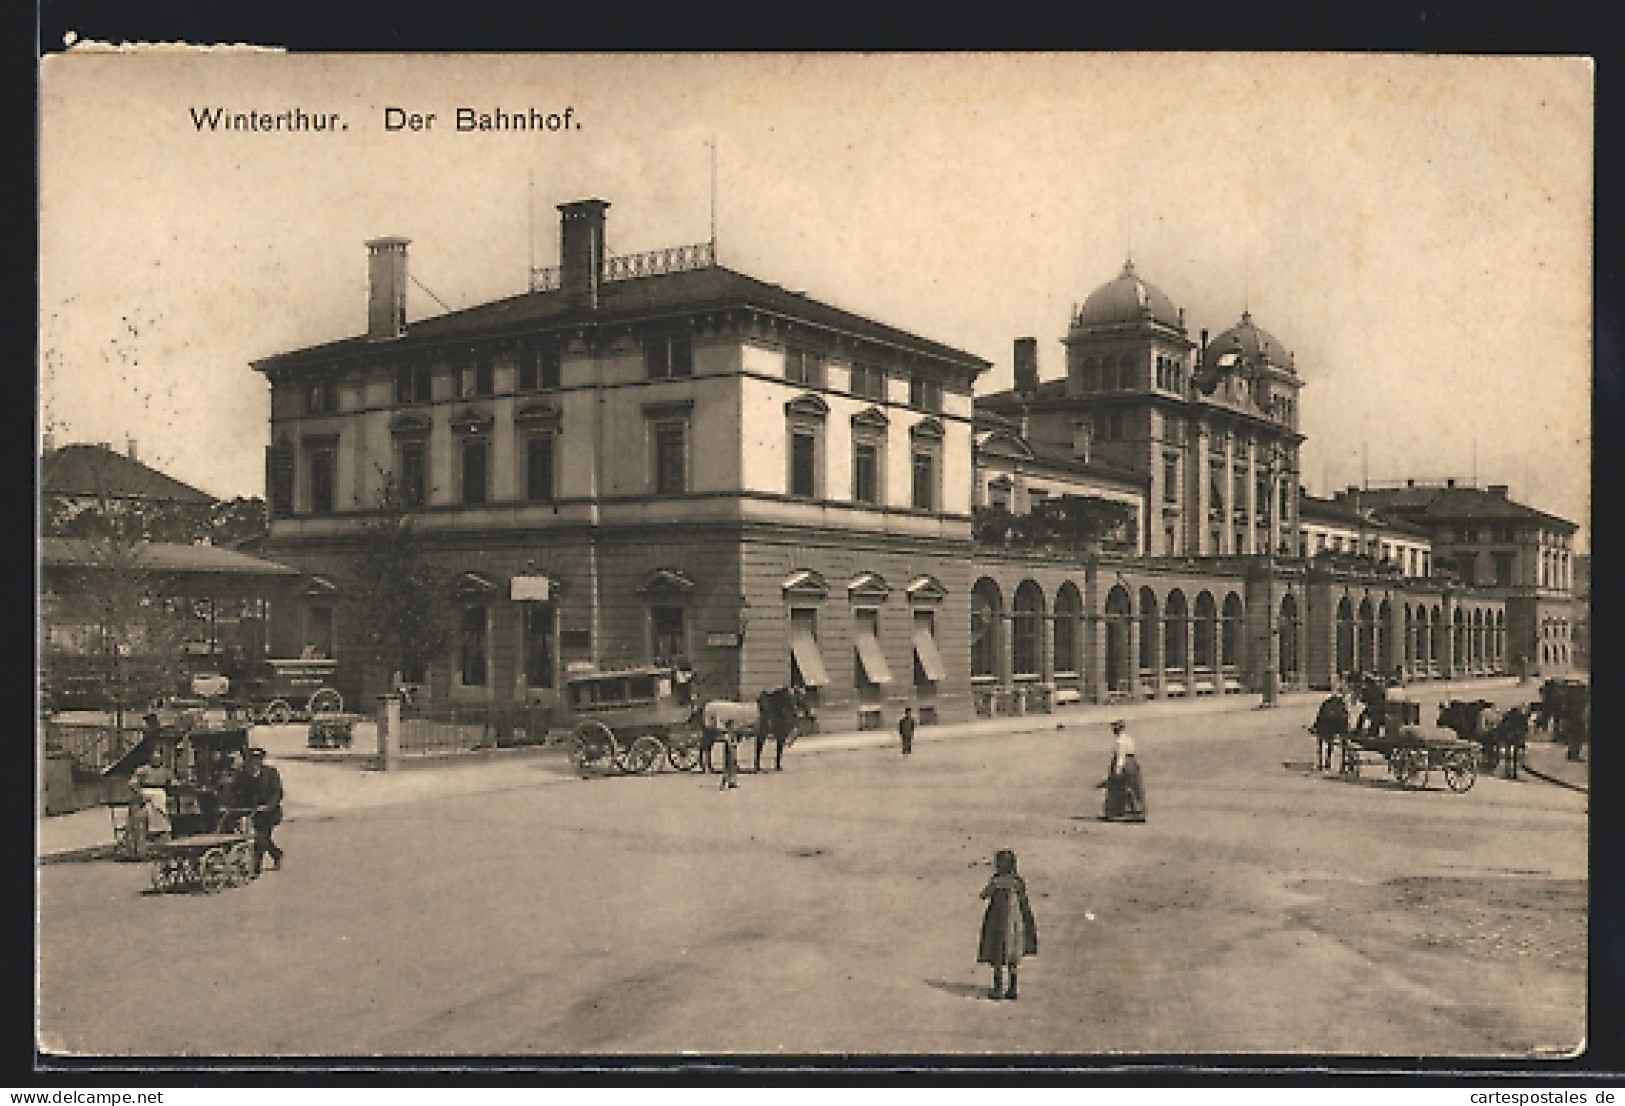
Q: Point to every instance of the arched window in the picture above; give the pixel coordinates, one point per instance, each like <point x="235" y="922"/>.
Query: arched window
<point x="1148" y="657"/>
<point x="1287" y="661"/>
<point x="1119" y="613"/>
<point x="1386" y="658"/>
<point x="1068" y="608"/>
<point x="1439" y="646"/>
<point x="1027" y="643"/>
<point x="1175" y="625"/>
<point x="1366" y="652"/>
<point x="1230" y="632"/>
<point x="1204" y="630"/>
<point x="1345" y="636"/>
<point x="986" y="608"/>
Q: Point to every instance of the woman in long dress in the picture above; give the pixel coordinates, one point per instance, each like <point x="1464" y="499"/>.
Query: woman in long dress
<point x="1125" y="789"/>
<point x="1008" y="929"/>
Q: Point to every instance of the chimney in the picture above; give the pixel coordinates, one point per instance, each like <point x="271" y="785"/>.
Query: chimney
<point x="386" y="292"/>
<point x="129" y="448"/>
<point x="1026" y="365"/>
<point x="1450" y="482"/>
<point x="581" y="250"/>
<point x="1497" y="490"/>
<point x="50" y="443"/>
<point x="1410" y="481"/>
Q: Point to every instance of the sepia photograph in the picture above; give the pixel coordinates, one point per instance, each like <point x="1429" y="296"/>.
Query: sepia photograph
<point x="803" y="557"/>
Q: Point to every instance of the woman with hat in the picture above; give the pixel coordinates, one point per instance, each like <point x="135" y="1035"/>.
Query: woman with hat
<point x="259" y="789"/>
<point x="1125" y="790"/>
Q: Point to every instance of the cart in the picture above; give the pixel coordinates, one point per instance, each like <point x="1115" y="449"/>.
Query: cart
<point x="201" y="759"/>
<point x="205" y="862"/>
<point x="279" y="691"/>
<point x="1411" y="756"/>
<point x="633" y="719"/>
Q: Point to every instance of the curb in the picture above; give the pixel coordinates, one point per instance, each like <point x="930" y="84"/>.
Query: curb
<point x="1539" y="775"/>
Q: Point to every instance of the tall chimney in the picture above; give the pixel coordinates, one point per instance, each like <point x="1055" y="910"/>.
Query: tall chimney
<point x="386" y="291"/>
<point x="1026" y="355"/>
<point x="581" y="249"/>
<point x="50" y="442"/>
<point x="129" y="448"/>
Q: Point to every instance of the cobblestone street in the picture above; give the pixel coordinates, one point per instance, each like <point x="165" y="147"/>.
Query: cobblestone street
<point x="833" y="908"/>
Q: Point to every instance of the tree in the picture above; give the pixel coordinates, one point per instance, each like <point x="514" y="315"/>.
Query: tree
<point x="1064" y="522"/>
<point x="395" y="594"/>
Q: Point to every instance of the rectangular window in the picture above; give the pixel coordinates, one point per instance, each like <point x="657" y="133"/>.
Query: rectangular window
<point x="925" y="480"/>
<point x="666" y="358"/>
<point x="539" y="645"/>
<point x="869" y="381"/>
<point x="321" y="481"/>
<point x="1116" y="425"/>
<point x="804" y="463"/>
<point x="803" y="367"/>
<point x="671" y="457"/>
<point x="807" y="669"/>
<point x="414" y="480"/>
<point x="924" y="394"/>
<point x="471" y="648"/>
<point x="866" y="472"/>
<point x="1170" y="478"/>
<point x="413" y="384"/>
<point x="322" y="396"/>
<point x="668" y="637"/>
<point x="539" y="468"/>
<point x="929" y="669"/>
<point x="479" y="379"/>
<point x="869" y="669"/>
<point x="279" y="480"/>
<point x="539" y="368"/>
<point x="319" y="631"/>
<point x="1503" y="569"/>
<point x="475" y="453"/>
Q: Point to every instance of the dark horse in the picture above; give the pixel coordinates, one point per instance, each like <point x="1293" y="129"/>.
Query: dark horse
<point x="1501" y="737"/>
<point x="1565" y="706"/>
<point x="1331" y="726"/>
<point x="780" y="714"/>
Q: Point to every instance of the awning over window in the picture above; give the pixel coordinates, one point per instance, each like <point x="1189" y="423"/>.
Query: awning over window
<point x="811" y="662"/>
<point x="873" y="660"/>
<point x="925" y="647"/>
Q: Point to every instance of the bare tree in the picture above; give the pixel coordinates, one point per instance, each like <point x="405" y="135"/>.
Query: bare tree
<point x="395" y="594"/>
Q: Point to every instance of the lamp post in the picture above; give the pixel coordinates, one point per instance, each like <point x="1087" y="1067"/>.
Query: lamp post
<point x="1272" y="636"/>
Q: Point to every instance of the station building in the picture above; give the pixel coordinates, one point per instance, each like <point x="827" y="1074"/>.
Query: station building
<point x="658" y="459"/>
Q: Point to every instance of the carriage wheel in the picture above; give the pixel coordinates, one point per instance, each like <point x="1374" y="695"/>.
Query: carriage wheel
<point x="642" y="755"/>
<point x="241" y="857"/>
<point x="1350" y="766"/>
<point x="1419" y="769"/>
<point x="161" y="876"/>
<point x="278" y="712"/>
<point x="1400" y="767"/>
<point x="594" y="747"/>
<point x="214" y="871"/>
<point x="326" y="701"/>
<point x="1459" y="773"/>
<point x="683" y="754"/>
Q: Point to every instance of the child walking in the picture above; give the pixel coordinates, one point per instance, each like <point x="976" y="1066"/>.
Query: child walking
<point x="1008" y="929"/>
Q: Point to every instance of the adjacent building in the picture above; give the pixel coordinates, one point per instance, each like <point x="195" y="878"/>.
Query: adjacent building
<point x="659" y="459"/>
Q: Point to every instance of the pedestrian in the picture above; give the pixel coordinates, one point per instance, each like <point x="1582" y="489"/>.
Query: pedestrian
<point x="1008" y="929"/>
<point x="905" y="730"/>
<point x="730" y="756"/>
<point x="1125" y="788"/>
<point x="258" y="788"/>
<point x="149" y="797"/>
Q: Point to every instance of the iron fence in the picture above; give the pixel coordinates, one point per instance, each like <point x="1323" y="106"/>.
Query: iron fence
<point x="92" y="746"/>
<point x="459" y="727"/>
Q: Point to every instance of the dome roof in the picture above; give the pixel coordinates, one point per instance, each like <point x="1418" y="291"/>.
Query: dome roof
<point x="1128" y="299"/>
<point x="1250" y="343"/>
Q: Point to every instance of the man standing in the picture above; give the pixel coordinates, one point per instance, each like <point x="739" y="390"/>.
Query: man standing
<point x="259" y="788"/>
<point x="905" y="730"/>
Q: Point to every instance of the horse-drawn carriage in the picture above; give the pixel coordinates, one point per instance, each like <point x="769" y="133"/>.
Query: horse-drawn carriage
<point x="632" y="720"/>
<point x="1387" y="734"/>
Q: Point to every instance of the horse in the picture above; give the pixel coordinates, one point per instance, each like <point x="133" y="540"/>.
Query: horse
<point x="779" y="715"/>
<point x="1331" y="726"/>
<point x="1499" y="735"/>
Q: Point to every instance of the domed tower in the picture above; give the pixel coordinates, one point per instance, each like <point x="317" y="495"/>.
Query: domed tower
<point x="1128" y="357"/>
<point x="1248" y="376"/>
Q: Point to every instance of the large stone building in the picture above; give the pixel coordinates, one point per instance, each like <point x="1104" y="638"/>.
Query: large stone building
<point x="649" y="459"/>
<point x="659" y="459"/>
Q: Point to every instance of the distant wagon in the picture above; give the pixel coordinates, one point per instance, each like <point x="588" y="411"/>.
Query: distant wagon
<point x="278" y="691"/>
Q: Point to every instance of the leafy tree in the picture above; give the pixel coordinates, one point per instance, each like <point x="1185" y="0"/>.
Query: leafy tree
<point x="395" y="594"/>
<point x="1065" y="522"/>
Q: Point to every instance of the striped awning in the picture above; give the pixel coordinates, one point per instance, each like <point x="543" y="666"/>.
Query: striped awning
<point x="872" y="659"/>
<point x="804" y="648"/>
<point x="925" y="648"/>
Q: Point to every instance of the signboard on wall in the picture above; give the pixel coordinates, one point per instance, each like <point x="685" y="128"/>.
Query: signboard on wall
<point x="722" y="639"/>
<point x="530" y="589"/>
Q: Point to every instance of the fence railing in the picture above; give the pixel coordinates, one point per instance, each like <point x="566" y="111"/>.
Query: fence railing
<point x="92" y="746"/>
<point x="672" y="259"/>
<point x="456" y="727"/>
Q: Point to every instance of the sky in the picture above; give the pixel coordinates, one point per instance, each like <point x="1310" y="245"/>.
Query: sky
<point x="1416" y="230"/>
